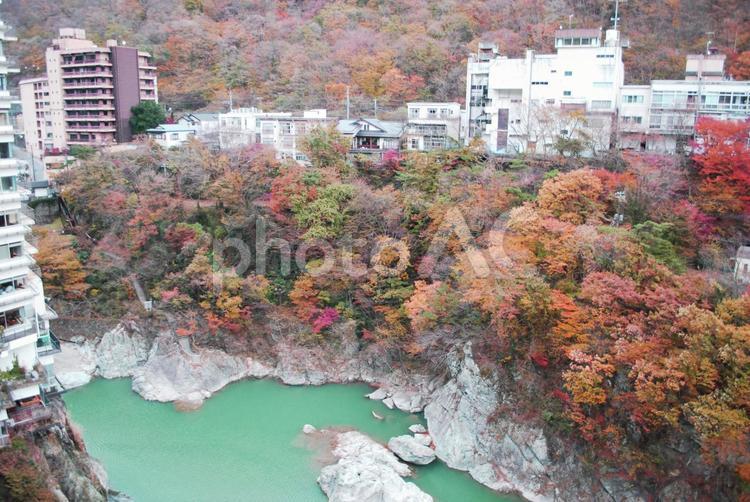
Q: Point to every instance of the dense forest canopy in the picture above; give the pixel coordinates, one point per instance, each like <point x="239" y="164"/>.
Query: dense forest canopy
<point x="295" y="54"/>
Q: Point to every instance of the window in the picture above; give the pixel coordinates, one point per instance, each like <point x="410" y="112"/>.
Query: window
<point x="632" y="120"/>
<point x="568" y="73"/>
<point x="414" y="144"/>
<point x="567" y="93"/>
<point x="8" y="184"/>
<point x="13" y="250"/>
<point x="432" y="112"/>
<point x="11" y="317"/>
<point x="549" y="101"/>
<point x="414" y="112"/>
<point x="605" y="56"/>
<point x="633" y="99"/>
<point x="539" y="82"/>
<point x="8" y="219"/>
<point x="599" y="104"/>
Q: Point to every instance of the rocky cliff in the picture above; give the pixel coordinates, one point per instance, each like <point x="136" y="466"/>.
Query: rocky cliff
<point x="459" y="404"/>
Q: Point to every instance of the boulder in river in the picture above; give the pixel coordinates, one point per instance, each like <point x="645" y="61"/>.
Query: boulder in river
<point x="418" y="428"/>
<point x="367" y="471"/>
<point x="412" y="450"/>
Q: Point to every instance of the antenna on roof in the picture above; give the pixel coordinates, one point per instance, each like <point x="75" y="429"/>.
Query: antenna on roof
<point x="709" y="42"/>
<point x="616" y="18"/>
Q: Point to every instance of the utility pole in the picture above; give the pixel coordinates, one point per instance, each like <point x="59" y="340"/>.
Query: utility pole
<point x="570" y="21"/>
<point x="376" y="107"/>
<point x="231" y="104"/>
<point x="347" y="102"/>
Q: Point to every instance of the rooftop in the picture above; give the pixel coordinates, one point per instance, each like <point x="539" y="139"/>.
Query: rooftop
<point x="381" y="127"/>
<point x="171" y="128"/>
<point x="579" y="33"/>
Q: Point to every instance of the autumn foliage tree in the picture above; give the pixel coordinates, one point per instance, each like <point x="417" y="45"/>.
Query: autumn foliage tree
<point x="62" y="271"/>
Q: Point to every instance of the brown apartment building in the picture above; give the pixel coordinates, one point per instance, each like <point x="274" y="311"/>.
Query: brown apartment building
<point x="86" y="96"/>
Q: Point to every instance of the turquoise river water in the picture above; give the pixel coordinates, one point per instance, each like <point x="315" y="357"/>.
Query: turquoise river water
<point x="244" y="444"/>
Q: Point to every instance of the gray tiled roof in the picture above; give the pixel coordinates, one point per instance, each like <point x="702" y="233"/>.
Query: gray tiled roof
<point x="379" y="128"/>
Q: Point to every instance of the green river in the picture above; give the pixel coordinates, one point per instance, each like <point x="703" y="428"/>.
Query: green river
<point x="245" y="444"/>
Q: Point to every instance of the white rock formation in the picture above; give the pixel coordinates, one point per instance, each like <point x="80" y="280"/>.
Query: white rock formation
<point x="417" y="428"/>
<point x="424" y="439"/>
<point x="411" y="450"/>
<point x="502" y="455"/>
<point x="174" y="371"/>
<point x="367" y="472"/>
<point x="120" y="352"/>
<point x="309" y="429"/>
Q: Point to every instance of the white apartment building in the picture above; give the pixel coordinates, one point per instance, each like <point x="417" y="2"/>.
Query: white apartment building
<point x="25" y="338"/>
<point x="432" y="126"/>
<point x="526" y="104"/>
<point x="285" y="134"/>
<point x="281" y="130"/>
<point x="661" y="117"/>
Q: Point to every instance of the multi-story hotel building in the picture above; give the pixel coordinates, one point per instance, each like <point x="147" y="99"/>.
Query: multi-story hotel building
<point x="86" y="96"/>
<point x="525" y="104"/>
<point x="26" y="342"/>
<point x="661" y="116"/>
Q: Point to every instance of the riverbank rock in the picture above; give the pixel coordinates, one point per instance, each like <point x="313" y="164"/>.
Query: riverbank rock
<point x="120" y="352"/>
<point x="502" y="455"/>
<point x="309" y="429"/>
<point x="366" y="471"/>
<point x="411" y="450"/>
<point x="174" y="371"/>
<point x="417" y="428"/>
<point x="75" y="364"/>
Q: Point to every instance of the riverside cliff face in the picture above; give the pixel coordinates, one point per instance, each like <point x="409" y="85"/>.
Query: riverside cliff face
<point x="459" y="404"/>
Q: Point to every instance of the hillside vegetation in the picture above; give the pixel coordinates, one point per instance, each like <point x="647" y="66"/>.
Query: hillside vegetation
<point x="629" y="343"/>
<point x="295" y="54"/>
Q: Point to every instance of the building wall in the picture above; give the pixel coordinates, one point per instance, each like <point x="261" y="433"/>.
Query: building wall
<point x="91" y="89"/>
<point x="125" y="69"/>
<point x="433" y="126"/>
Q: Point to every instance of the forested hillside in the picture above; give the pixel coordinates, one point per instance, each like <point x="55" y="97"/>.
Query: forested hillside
<point x="630" y="343"/>
<point x="294" y="54"/>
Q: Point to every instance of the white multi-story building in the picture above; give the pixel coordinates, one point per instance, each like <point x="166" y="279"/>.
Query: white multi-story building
<point x="432" y="126"/>
<point x="281" y="130"/>
<point x="661" y="117"/>
<point x="25" y="339"/>
<point x="528" y="104"/>
<point x="285" y="133"/>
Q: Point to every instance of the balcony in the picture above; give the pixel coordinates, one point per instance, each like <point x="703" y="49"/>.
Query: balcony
<point x="94" y="106"/>
<point x="72" y="74"/>
<point x="88" y="85"/>
<point x="47" y="345"/>
<point x="17" y="332"/>
<point x="25" y="415"/>
<point x="84" y="63"/>
<point x="88" y="116"/>
<point x="91" y="128"/>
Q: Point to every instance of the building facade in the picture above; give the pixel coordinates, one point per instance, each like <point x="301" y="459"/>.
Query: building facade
<point x="530" y="104"/>
<point x="282" y="131"/>
<point x="432" y="126"/>
<point x="27" y="346"/>
<point x="372" y="137"/>
<point x="742" y="265"/>
<point x="661" y="117"/>
<point x="285" y="134"/>
<point x="86" y="96"/>
<point x="172" y="135"/>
